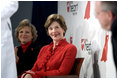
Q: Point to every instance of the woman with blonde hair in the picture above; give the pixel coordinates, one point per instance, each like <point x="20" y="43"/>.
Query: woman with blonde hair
<point x="27" y="53"/>
<point x="58" y="57"/>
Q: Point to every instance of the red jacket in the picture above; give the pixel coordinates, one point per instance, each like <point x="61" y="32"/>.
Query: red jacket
<point x="56" y="62"/>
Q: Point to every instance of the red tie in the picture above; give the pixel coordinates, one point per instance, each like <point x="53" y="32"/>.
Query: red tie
<point x="87" y="12"/>
<point x="104" y="54"/>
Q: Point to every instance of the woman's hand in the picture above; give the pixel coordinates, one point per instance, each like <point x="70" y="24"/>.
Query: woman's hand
<point x="16" y="50"/>
<point x="23" y="75"/>
<point x="27" y="74"/>
<point x="29" y="71"/>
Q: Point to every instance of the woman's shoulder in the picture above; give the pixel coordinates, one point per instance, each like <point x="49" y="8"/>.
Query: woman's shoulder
<point x="43" y="50"/>
<point x="71" y="50"/>
<point x="71" y="46"/>
<point x="45" y="47"/>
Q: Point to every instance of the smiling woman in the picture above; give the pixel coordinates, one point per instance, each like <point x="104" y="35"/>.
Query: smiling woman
<point x="56" y="28"/>
<point x="58" y="57"/>
<point x="26" y="54"/>
<point x="25" y="35"/>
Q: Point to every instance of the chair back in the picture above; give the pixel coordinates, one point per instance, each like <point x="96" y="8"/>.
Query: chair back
<point x="77" y="66"/>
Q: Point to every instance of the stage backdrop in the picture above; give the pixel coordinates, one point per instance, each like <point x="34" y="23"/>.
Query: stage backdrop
<point x="83" y="31"/>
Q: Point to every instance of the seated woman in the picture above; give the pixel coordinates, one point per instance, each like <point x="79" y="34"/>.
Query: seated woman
<point x="26" y="54"/>
<point x="58" y="57"/>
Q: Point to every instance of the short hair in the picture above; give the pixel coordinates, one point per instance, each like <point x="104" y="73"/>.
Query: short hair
<point x="109" y="5"/>
<point x="58" y="18"/>
<point x="26" y="23"/>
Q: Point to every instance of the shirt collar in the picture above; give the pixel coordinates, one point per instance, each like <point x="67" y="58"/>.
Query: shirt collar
<point x="61" y="42"/>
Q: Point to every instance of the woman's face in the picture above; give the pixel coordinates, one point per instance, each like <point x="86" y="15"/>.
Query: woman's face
<point x="55" y="31"/>
<point x="25" y="35"/>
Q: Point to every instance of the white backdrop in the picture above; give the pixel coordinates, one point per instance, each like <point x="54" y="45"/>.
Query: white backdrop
<point x="83" y="33"/>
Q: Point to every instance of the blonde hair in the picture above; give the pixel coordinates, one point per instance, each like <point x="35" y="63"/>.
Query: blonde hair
<point x="58" y="18"/>
<point x="26" y="23"/>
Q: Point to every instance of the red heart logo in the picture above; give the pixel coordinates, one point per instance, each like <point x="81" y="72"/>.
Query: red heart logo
<point x="82" y="43"/>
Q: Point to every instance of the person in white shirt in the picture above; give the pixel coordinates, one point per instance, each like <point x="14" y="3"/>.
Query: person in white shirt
<point x="8" y="64"/>
<point x="106" y="13"/>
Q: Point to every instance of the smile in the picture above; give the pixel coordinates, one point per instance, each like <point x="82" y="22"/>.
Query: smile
<point x="55" y="35"/>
